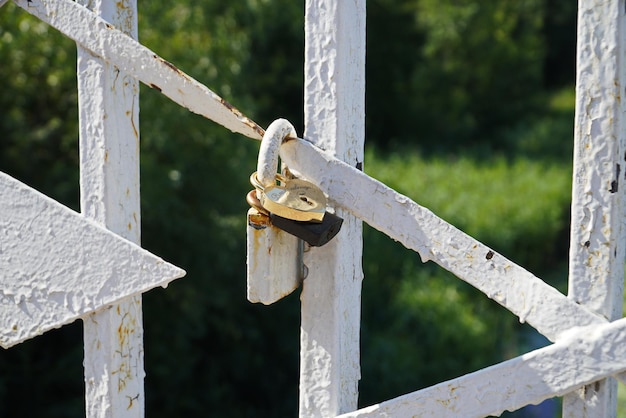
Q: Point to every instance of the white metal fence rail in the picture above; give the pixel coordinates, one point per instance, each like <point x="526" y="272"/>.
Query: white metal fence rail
<point x="587" y="347"/>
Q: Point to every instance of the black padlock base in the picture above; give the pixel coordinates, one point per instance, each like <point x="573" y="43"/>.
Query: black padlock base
<point x="315" y="234"/>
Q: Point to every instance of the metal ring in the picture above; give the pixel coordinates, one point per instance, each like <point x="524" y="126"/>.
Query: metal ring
<point x="267" y="164"/>
<point x="254" y="202"/>
<point x="254" y="180"/>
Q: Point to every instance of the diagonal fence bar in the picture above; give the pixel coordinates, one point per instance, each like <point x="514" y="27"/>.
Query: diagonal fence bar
<point x="101" y="38"/>
<point x="418" y="229"/>
<point x="46" y="253"/>
<point x="579" y="358"/>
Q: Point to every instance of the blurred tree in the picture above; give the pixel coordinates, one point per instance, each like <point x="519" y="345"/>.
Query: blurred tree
<point x="559" y="33"/>
<point x="40" y="119"/>
<point x="457" y="70"/>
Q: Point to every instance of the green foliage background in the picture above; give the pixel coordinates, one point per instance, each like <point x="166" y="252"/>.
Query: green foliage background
<point x="479" y="130"/>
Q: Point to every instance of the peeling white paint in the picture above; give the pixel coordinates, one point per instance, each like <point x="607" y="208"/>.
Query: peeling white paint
<point x="267" y="164"/>
<point x="597" y="249"/>
<point x="580" y="358"/>
<point x="108" y="101"/>
<point x="272" y="262"/>
<point x="53" y="268"/>
<point x="334" y="120"/>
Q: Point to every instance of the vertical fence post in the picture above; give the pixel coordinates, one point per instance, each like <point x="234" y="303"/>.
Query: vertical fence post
<point x="596" y="272"/>
<point x="109" y="177"/>
<point x="335" y="121"/>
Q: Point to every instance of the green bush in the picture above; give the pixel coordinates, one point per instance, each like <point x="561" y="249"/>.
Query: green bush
<point x="518" y="207"/>
<point x="455" y="71"/>
<point x="420" y="324"/>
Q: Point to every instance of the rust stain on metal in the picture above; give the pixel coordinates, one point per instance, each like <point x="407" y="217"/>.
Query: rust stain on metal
<point x="242" y="118"/>
<point x="288" y="138"/>
<point x="258" y="220"/>
<point x="122" y="332"/>
<point x="245" y="120"/>
<point x="131" y="399"/>
<point x="132" y="119"/>
<point x="171" y="66"/>
<point x="126" y="328"/>
<point x="229" y="106"/>
<point x="132" y="123"/>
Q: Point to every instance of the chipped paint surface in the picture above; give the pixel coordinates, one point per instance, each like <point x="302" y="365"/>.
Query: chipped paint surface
<point x="579" y="358"/>
<point x="597" y="252"/>
<point x="334" y="113"/>
<point x="267" y="164"/>
<point x="272" y="261"/>
<point x="98" y="35"/>
<point x="52" y="267"/>
<point x="597" y="249"/>
<point x="108" y="99"/>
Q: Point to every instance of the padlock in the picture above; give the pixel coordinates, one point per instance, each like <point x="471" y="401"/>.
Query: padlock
<point x="315" y="234"/>
<point x="295" y="199"/>
<point x="275" y="257"/>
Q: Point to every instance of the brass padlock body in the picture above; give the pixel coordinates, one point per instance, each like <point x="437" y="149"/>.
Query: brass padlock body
<point x="295" y="199"/>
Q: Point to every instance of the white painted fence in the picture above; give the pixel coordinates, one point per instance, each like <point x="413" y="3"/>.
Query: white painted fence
<point x="589" y="338"/>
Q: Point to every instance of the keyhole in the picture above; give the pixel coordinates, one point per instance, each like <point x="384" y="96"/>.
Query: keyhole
<point x="306" y="200"/>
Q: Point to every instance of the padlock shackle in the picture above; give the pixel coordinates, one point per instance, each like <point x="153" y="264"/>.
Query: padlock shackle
<point x="267" y="165"/>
